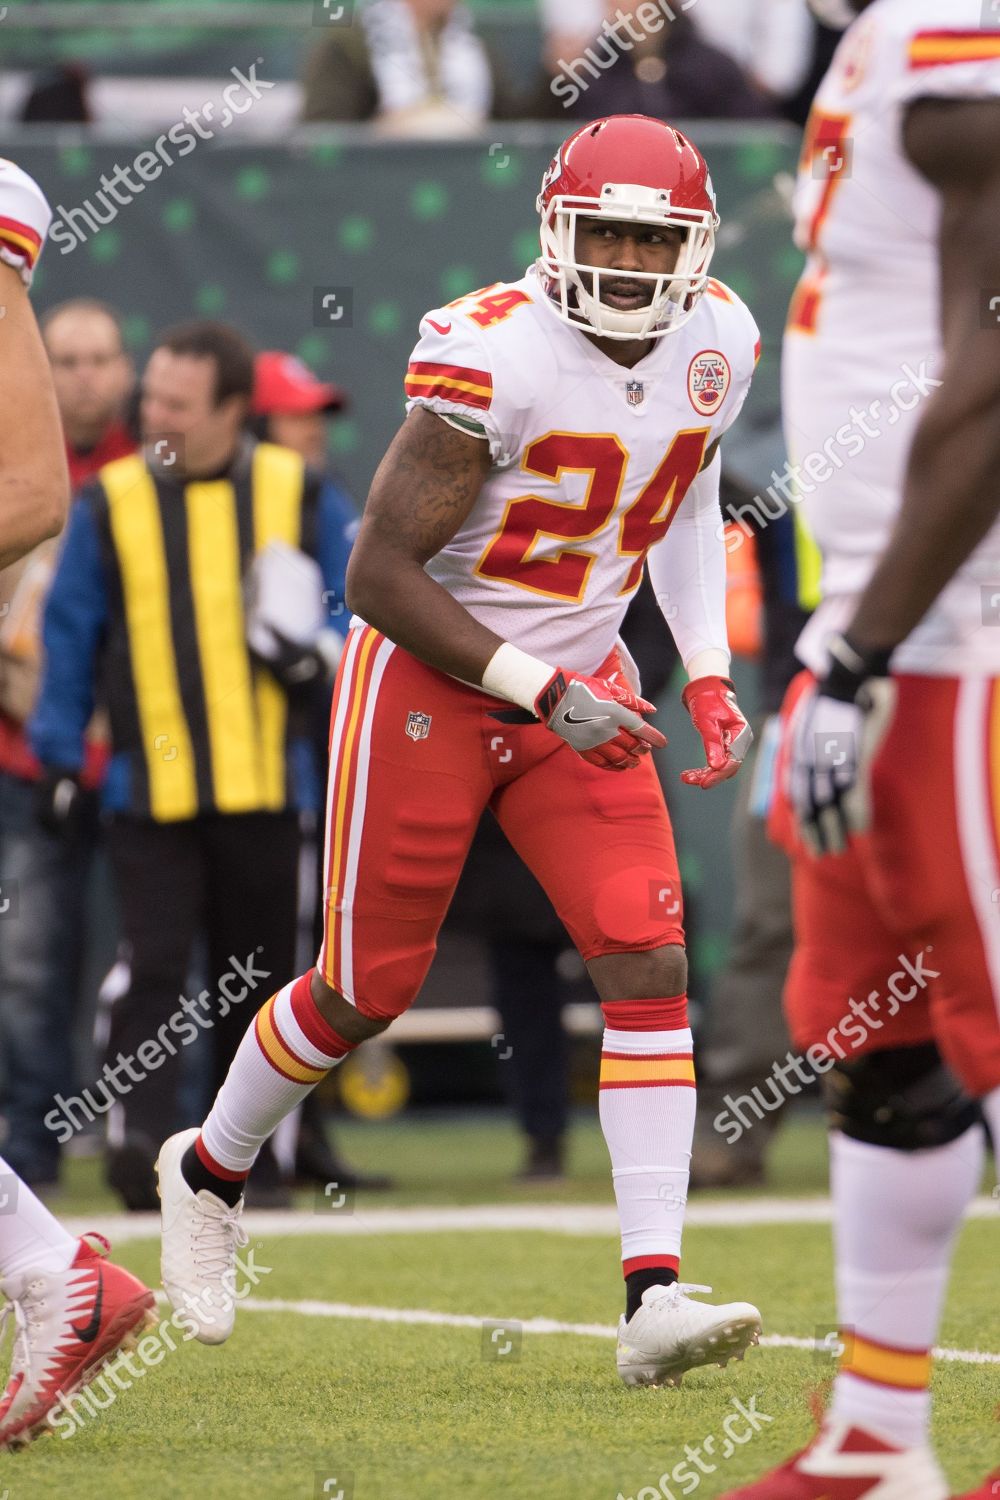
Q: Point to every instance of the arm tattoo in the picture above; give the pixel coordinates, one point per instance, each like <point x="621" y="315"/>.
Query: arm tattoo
<point x="426" y="485"/>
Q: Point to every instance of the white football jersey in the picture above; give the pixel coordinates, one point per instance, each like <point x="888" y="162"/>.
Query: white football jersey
<point x="591" y="461"/>
<point x="863" y="345"/>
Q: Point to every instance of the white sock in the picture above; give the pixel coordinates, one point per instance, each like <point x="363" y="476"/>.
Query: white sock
<point x="30" y="1237"/>
<point x="896" y="1215"/>
<point x="286" y="1051"/>
<point x="647" y="1110"/>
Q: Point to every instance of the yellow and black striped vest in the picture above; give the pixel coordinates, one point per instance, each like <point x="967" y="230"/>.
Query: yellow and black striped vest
<point x="204" y="728"/>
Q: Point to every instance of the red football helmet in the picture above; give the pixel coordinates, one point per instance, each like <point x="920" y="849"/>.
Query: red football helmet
<point x="627" y="167"/>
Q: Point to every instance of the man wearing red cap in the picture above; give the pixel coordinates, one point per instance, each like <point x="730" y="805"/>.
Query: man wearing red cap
<point x="294" y="405"/>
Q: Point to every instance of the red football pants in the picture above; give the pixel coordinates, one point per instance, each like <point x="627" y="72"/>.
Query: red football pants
<point x="415" y="758"/>
<point x="906" y="923"/>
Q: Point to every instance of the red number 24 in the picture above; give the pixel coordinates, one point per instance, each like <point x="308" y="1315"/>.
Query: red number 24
<point x="564" y="574"/>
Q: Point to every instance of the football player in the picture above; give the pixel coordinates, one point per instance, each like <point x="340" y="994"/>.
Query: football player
<point x="892" y="740"/>
<point x="562" y="432"/>
<point x="72" y="1309"/>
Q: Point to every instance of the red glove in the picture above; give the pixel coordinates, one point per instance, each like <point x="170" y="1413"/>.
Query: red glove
<point x="725" y="733"/>
<point x="603" y="721"/>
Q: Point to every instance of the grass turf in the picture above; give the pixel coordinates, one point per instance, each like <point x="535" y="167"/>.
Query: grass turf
<point x="292" y="1402"/>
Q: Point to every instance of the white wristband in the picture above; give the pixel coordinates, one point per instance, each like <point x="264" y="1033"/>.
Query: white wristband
<point x="708" y="663"/>
<point x="513" y="674"/>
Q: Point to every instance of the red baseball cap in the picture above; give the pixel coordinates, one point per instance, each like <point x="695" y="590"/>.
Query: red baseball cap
<point x="284" y="385"/>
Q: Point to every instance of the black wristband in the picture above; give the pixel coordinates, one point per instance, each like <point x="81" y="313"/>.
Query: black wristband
<point x="851" y="666"/>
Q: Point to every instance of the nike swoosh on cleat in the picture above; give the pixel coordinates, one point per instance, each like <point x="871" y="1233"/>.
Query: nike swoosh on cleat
<point x="88" y="1334"/>
<point x="438" y="327"/>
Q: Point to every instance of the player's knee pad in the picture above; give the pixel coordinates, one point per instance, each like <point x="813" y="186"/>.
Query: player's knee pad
<point x="902" y="1097"/>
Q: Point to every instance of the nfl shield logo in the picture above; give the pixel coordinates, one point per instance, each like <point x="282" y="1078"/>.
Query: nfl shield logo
<point x="418" y="725"/>
<point x="635" y="392"/>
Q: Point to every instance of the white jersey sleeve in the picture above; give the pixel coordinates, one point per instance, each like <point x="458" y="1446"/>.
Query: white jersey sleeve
<point x="688" y="571"/>
<point x="960" y="61"/>
<point x="25" y="217"/>
<point x="454" y="371"/>
<point x="742" y="340"/>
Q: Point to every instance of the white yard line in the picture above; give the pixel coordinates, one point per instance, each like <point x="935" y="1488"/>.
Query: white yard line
<point x="551" y="1218"/>
<point x="426" y="1318"/>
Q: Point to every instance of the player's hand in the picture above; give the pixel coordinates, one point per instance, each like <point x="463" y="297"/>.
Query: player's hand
<point x="602" y="720"/>
<point x="25" y="217"/>
<point x="836" y="731"/>
<point x="725" y="733"/>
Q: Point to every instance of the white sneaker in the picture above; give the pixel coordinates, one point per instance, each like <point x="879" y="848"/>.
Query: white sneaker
<point x="201" y="1235"/>
<point x="669" y="1334"/>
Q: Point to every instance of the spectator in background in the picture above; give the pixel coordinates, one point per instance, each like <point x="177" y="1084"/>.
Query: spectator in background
<point x="771" y="40"/>
<point x="48" y="862"/>
<point x="416" y="67"/>
<point x="292" y="407"/>
<point x="569" y="27"/>
<point x="670" y="73"/>
<point x="148" y="598"/>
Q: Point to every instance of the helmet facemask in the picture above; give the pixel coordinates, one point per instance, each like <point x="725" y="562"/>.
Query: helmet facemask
<point x="675" y="294"/>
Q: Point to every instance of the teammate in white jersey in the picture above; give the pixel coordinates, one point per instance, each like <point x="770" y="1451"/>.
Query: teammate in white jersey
<point x="892" y="757"/>
<point x="562" y="432"/>
<point x="72" y="1309"/>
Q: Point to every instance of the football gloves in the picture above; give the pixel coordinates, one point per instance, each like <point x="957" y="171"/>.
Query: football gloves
<point x="836" y="731"/>
<point x="602" y="721"/>
<point x="725" y="733"/>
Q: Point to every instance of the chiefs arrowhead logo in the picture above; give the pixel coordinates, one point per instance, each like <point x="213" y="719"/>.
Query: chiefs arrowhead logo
<point x="709" y="378"/>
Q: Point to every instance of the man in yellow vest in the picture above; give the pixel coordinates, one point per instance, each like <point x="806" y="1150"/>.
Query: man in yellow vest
<point x="195" y="594"/>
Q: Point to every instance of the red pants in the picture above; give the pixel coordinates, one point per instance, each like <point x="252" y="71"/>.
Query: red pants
<point x="897" y="941"/>
<point x="415" y="758"/>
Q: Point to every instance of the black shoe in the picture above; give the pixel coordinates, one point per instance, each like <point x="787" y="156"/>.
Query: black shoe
<point x="545" y="1161"/>
<point x="316" y="1163"/>
<point x="128" y="1169"/>
<point x="266" y="1187"/>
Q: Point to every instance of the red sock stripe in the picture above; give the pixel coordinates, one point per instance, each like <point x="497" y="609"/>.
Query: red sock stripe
<point x="650" y="1262"/>
<point x="318" y="1031"/>
<point x="646" y="1015"/>
<point x="210" y="1164"/>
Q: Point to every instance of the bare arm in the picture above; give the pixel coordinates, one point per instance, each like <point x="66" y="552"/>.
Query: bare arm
<point x="424" y="489"/>
<point x="34" y="484"/>
<point x="951" y="496"/>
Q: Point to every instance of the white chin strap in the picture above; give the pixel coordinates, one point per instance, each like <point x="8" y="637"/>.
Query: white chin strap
<point x="576" y="289"/>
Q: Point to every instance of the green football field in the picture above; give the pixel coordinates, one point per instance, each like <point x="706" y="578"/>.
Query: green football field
<point x="391" y="1350"/>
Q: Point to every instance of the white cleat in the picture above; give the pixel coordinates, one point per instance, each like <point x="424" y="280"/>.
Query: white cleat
<point x="669" y="1334"/>
<point x="201" y="1235"/>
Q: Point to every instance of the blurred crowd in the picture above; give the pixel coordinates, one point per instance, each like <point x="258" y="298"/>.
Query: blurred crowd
<point x="429" y="68"/>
